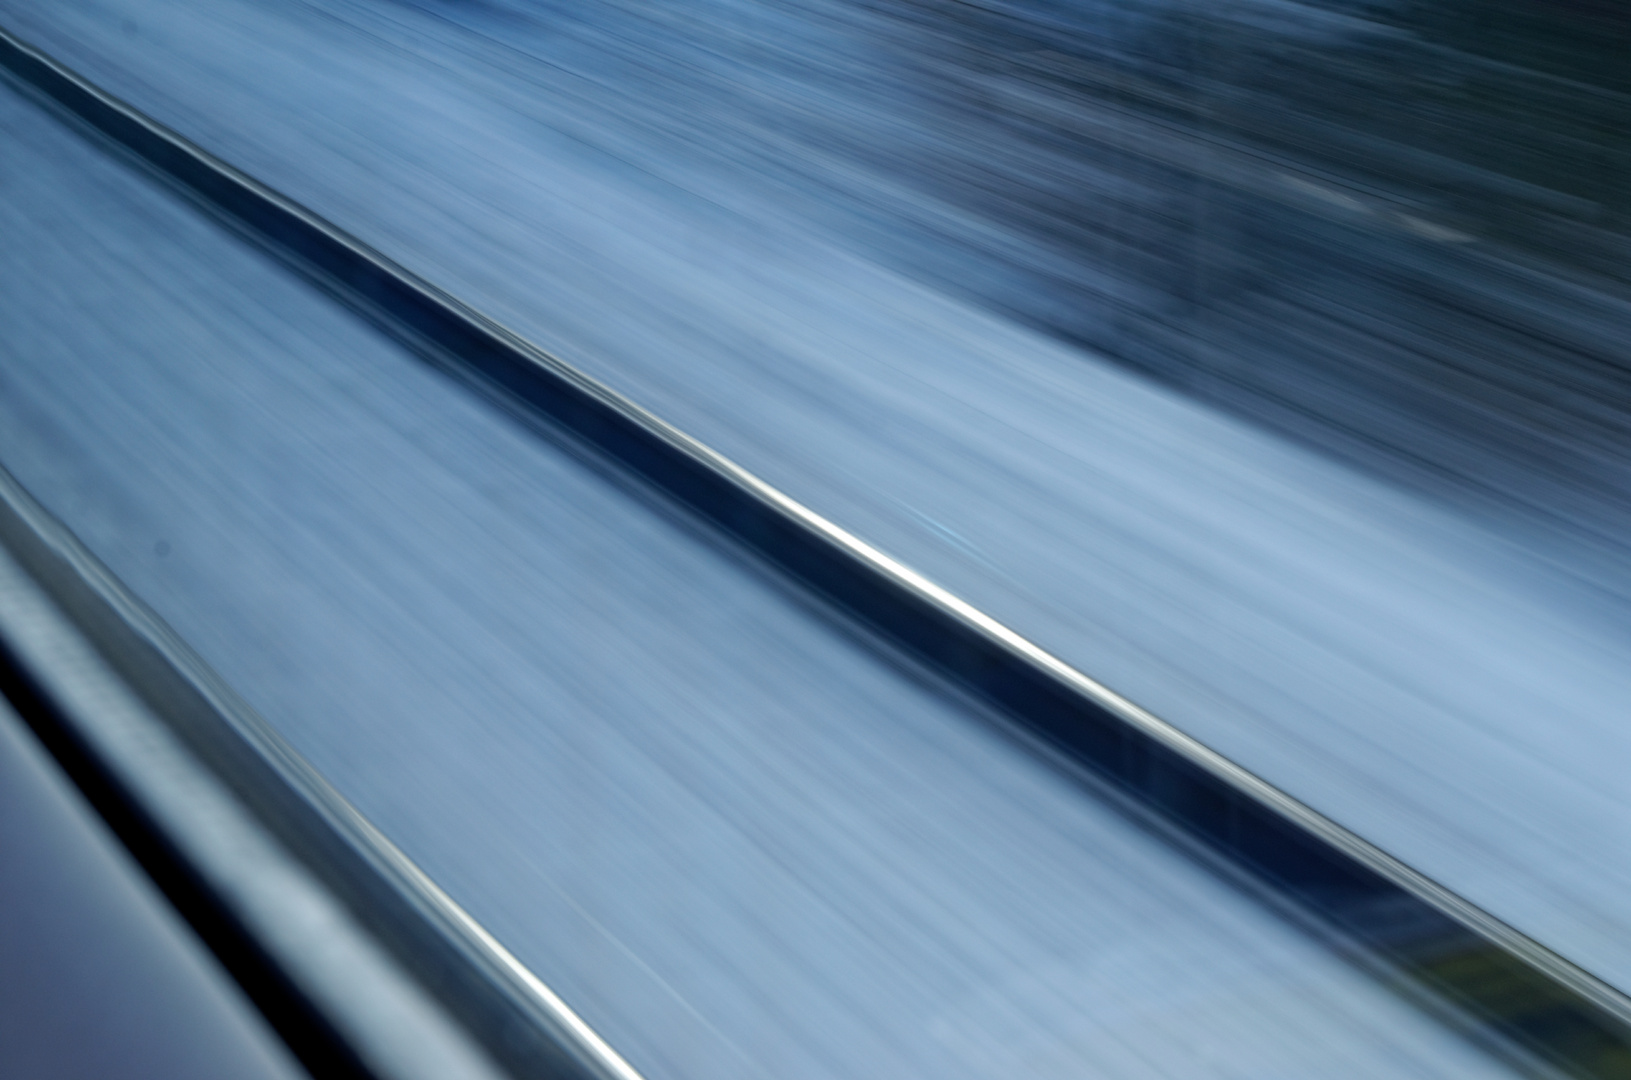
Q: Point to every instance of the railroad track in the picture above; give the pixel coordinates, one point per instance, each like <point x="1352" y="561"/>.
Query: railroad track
<point x="1503" y="989"/>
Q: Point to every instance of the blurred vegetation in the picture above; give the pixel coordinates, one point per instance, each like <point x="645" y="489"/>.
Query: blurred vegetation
<point x="1401" y="232"/>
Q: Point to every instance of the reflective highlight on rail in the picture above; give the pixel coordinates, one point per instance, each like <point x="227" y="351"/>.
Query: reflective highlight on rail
<point x="733" y="834"/>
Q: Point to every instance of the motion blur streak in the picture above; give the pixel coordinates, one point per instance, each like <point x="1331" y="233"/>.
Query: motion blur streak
<point x="914" y="263"/>
<point x="738" y="844"/>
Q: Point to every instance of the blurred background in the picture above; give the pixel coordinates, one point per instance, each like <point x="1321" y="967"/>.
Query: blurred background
<point x="1268" y="361"/>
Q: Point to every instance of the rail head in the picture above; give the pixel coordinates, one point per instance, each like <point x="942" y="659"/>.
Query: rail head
<point x="361" y="962"/>
<point x="1509" y="991"/>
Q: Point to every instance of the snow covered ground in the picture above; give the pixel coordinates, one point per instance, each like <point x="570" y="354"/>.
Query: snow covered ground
<point x="733" y="841"/>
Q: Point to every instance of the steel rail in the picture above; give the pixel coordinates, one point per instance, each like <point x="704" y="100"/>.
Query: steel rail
<point x="359" y="960"/>
<point x="150" y="747"/>
<point x="1499" y="987"/>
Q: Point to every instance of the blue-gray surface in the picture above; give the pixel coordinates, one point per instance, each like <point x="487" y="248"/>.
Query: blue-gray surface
<point x="99" y="979"/>
<point x="736" y="840"/>
<point x="1453" y="690"/>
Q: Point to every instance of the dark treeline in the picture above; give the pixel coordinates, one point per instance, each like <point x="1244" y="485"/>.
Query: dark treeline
<point x="1400" y="234"/>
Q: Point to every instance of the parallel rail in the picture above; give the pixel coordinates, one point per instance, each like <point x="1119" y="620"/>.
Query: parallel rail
<point x="225" y="819"/>
<point x="1498" y="986"/>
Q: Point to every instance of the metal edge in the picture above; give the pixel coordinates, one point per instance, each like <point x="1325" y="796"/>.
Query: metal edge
<point x="515" y="1016"/>
<point x="1512" y="987"/>
<point x="340" y="1003"/>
